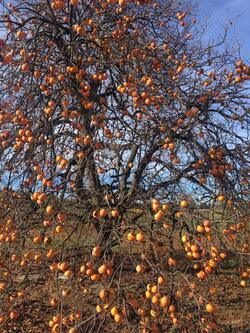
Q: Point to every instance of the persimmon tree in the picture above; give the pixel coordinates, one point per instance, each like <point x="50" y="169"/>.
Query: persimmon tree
<point x="113" y="115"/>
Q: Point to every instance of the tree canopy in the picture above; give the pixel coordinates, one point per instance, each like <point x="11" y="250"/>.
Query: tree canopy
<point x="120" y="108"/>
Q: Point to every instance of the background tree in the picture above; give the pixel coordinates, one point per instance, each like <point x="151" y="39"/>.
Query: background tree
<point x="113" y="113"/>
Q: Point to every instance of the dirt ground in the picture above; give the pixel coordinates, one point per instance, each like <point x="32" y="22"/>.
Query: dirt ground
<point x="232" y="315"/>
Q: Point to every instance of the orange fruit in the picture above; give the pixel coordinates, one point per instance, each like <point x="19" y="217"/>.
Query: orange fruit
<point x="210" y="308"/>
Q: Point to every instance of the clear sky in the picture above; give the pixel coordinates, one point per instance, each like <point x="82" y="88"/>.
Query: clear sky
<point x="221" y="12"/>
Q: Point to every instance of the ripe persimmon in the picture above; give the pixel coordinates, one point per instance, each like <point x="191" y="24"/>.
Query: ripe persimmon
<point x="210" y="308"/>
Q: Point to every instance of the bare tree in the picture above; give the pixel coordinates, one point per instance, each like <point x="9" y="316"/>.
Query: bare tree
<point x="106" y="105"/>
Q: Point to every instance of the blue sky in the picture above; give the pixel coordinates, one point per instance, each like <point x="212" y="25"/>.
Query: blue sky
<point x="220" y="12"/>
